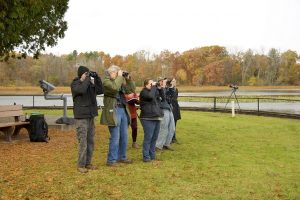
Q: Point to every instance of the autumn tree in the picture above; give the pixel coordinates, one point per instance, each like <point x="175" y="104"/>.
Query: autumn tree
<point x="232" y="71"/>
<point x="131" y="64"/>
<point x="142" y="68"/>
<point x="28" y="26"/>
<point x="214" y="73"/>
<point x="287" y="72"/>
<point x="105" y="59"/>
<point x="166" y="58"/>
<point x="194" y="61"/>
<point x="248" y="62"/>
<point x="201" y="66"/>
<point x="273" y="66"/>
<point x="181" y="75"/>
<point x="117" y="60"/>
<point x="260" y="73"/>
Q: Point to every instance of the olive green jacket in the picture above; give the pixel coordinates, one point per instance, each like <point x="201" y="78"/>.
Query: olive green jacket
<point x="111" y="89"/>
<point x="129" y="87"/>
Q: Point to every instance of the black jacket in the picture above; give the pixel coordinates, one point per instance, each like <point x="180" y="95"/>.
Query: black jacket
<point x="172" y="98"/>
<point x="84" y="97"/>
<point x="149" y="103"/>
<point x="164" y="104"/>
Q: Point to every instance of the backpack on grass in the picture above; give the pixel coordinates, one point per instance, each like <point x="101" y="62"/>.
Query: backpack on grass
<point x="38" y="131"/>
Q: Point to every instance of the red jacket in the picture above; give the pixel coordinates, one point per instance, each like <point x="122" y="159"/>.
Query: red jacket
<point x="132" y="99"/>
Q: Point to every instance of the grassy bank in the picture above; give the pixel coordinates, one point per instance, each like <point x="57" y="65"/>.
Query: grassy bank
<point x="220" y="157"/>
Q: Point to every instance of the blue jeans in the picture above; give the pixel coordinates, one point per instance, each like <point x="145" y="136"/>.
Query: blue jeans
<point x="151" y="130"/>
<point x="167" y="129"/>
<point x="118" y="138"/>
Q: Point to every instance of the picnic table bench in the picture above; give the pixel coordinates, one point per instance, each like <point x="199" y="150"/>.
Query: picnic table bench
<point x="12" y="120"/>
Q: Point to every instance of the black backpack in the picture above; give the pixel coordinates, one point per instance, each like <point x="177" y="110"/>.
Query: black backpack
<point x="38" y="131"/>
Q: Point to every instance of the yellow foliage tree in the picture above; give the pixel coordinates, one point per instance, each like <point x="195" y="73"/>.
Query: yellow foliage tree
<point x="181" y="75"/>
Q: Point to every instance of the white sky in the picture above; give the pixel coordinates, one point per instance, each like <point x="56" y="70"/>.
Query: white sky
<point x="126" y="26"/>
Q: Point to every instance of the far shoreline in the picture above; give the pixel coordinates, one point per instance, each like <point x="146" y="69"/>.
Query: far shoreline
<point x="37" y="90"/>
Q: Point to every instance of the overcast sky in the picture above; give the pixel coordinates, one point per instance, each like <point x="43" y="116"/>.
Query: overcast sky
<point x="125" y="26"/>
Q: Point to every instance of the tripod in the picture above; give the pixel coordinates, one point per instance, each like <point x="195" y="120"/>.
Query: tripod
<point x="233" y="93"/>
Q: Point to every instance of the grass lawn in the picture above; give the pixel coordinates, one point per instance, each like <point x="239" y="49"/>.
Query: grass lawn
<point x="246" y="157"/>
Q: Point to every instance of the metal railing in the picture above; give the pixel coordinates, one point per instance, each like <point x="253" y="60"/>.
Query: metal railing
<point x="283" y="107"/>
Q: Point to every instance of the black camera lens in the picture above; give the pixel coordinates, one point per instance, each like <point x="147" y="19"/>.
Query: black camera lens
<point x="125" y="74"/>
<point x="92" y="74"/>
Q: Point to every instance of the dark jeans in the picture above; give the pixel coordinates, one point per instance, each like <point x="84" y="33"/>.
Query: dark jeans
<point x="151" y="130"/>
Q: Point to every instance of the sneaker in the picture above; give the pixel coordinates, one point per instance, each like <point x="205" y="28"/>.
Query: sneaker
<point x="148" y="160"/>
<point x="168" y="148"/>
<point x="126" y="161"/>
<point x="82" y="170"/>
<point x="91" y="167"/>
<point x="157" y="149"/>
<point x="114" y="164"/>
<point x="135" y="145"/>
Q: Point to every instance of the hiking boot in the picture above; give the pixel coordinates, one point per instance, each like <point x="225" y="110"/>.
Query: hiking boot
<point x="168" y="148"/>
<point x="135" y="145"/>
<point x="91" y="167"/>
<point x="175" y="141"/>
<point x="82" y="170"/>
<point x="126" y="161"/>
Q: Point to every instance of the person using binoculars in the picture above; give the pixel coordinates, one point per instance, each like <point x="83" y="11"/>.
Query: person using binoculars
<point x="84" y="89"/>
<point x="167" y="125"/>
<point x="172" y="98"/>
<point x="151" y="116"/>
<point x="116" y="115"/>
<point x="132" y="100"/>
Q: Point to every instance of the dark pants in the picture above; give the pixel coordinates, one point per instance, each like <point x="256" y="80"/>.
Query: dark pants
<point x="134" y="129"/>
<point x="174" y="136"/>
<point x="85" y="134"/>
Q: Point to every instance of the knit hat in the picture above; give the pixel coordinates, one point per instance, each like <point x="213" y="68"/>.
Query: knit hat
<point x="82" y="70"/>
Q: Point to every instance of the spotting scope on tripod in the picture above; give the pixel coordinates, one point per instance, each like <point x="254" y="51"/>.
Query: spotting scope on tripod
<point x="233" y="95"/>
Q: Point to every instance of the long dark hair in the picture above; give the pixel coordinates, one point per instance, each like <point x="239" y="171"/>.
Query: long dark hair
<point x="147" y="81"/>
